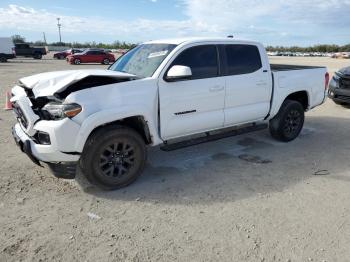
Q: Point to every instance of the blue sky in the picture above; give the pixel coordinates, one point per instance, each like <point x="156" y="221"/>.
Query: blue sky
<point x="275" y="22"/>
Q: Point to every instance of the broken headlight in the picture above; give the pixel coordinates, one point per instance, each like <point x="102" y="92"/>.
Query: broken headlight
<point x="57" y="111"/>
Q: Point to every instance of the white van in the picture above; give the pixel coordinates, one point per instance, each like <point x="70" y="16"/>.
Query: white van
<point x="7" y="49"/>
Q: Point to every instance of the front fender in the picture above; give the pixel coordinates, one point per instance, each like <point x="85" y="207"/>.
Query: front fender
<point x="111" y="115"/>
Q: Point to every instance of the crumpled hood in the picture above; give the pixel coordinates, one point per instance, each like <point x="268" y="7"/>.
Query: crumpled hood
<point x="47" y="84"/>
<point x="345" y="71"/>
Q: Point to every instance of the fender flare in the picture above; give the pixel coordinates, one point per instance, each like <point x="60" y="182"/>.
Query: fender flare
<point x="108" y="116"/>
<point x="277" y="105"/>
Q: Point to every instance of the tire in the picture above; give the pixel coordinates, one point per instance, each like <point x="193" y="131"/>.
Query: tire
<point x="113" y="157"/>
<point x="3" y="59"/>
<point x="77" y="61"/>
<point x="37" y="56"/>
<point x="288" y="123"/>
<point x="105" y="61"/>
<point x="61" y="57"/>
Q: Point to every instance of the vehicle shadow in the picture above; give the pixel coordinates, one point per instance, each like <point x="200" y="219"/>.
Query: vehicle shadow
<point x="240" y="167"/>
<point x="26" y="61"/>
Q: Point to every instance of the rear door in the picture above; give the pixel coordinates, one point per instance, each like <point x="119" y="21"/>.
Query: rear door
<point x="197" y="104"/>
<point x="22" y="49"/>
<point x="99" y="56"/>
<point x="248" y="84"/>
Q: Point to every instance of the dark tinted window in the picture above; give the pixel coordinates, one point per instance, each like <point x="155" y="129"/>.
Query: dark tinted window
<point x="242" y="59"/>
<point x="22" y="46"/>
<point x="95" y="52"/>
<point x="202" y="60"/>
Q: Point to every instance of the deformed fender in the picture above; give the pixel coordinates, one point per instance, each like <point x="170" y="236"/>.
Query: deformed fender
<point x="111" y="115"/>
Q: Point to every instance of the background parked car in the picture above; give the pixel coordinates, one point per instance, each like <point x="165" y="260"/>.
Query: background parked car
<point x="64" y="54"/>
<point x="339" y="87"/>
<point x="7" y="49"/>
<point x="28" y="51"/>
<point x="91" y="56"/>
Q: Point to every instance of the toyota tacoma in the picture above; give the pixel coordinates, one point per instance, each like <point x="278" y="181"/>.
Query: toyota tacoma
<point x="171" y="93"/>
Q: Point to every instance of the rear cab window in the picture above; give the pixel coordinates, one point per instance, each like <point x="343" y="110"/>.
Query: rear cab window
<point x="242" y="59"/>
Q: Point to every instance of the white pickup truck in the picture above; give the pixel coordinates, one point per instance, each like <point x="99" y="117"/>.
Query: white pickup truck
<point x="173" y="93"/>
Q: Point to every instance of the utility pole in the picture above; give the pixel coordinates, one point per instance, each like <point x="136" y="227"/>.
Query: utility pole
<point x="44" y="37"/>
<point x="59" y="28"/>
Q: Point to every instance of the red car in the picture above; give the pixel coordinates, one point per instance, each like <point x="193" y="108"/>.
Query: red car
<point x="64" y="54"/>
<point x="91" y="56"/>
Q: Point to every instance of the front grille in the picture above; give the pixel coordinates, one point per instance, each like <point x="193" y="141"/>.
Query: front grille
<point x="20" y="115"/>
<point x="344" y="83"/>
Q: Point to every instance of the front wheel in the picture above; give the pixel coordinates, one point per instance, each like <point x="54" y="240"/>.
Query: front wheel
<point x="287" y="124"/>
<point x="77" y="61"/>
<point x="113" y="157"/>
<point x="105" y="61"/>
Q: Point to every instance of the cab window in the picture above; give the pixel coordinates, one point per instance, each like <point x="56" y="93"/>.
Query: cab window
<point x="203" y="61"/>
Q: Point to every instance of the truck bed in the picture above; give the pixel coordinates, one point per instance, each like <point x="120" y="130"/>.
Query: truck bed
<point x="281" y="67"/>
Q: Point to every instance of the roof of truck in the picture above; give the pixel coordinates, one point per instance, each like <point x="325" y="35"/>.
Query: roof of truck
<point x="188" y="40"/>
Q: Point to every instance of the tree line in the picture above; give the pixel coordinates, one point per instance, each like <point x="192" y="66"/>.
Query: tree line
<point x="115" y="45"/>
<point x="125" y="45"/>
<point x="310" y="49"/>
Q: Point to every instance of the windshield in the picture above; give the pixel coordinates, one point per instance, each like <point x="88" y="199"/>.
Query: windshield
<point x="143" y="60"/>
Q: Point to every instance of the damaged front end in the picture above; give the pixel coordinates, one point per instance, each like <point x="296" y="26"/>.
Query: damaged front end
<point x="52" y="106"/>
<point x="46" y="130"/>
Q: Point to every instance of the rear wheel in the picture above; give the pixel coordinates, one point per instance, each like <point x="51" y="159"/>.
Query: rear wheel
<point x="105" y="61"/>
<point x="113" y="157"/>
<point x="287" y="124"/>
<point x="77" y="61"/>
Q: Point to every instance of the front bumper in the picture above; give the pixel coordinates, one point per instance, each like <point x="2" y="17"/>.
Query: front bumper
<point x="339" y="95"/>
<point x="25" y="146"/>
<point x="45" y="153"/>
<point x="69" y="60"/>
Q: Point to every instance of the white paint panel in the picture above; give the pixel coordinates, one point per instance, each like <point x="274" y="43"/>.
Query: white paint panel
<point x="204" y="96"/>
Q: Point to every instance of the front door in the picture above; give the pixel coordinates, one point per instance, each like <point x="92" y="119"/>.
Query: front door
<point x="196" y="104"/>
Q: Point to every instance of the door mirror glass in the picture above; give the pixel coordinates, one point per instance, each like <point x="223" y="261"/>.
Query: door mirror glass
<point x="179" y="72"/>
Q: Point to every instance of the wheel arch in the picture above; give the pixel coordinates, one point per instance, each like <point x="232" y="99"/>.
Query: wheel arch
<point x="300" y="96"/>
<point x="137" y="122"/>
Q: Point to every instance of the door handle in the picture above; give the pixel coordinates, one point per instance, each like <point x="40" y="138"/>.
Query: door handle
<point x="216" y="88"/>
<point x="261" y="83"/>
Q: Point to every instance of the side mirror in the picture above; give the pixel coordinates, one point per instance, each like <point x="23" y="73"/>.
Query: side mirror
<point x="178" y="72"/>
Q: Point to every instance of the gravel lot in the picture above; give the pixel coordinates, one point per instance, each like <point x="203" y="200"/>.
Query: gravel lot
<point x="246" y="198"/>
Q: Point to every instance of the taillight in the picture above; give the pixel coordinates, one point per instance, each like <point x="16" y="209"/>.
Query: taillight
<point x="326" y="78"/>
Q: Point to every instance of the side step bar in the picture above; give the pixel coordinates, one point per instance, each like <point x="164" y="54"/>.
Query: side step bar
<point x="208" y="138"/>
